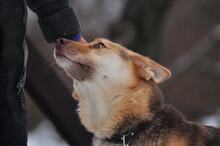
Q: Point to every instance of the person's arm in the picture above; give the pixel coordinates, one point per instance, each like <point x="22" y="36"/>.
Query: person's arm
<point x="56" y="19"/>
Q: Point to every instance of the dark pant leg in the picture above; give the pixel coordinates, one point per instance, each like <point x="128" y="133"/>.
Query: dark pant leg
<point x="13" y="125"/>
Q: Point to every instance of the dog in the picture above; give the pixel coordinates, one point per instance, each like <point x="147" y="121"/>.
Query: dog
<point x="119" y="98"/>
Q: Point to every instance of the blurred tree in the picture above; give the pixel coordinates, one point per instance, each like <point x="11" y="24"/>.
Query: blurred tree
<point x="139" y="27"/>
<point x="195" y="92"/>
<point x="165" y="30"/>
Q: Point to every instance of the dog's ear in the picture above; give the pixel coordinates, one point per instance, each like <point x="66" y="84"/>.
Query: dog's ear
<point x="149" y="69"/>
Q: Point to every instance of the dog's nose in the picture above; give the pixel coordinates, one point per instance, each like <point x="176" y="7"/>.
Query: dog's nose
<point x="59" y="44"/>
<point x="62" y="41"/>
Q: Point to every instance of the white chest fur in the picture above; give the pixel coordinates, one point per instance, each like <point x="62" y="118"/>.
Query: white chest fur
<point x="94" y="108"/>
<point x="95" y="104"/>
<point x="96" y="94"/>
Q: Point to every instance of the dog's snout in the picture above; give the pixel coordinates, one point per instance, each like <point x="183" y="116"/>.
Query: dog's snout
<point x="62" y="41"/>
<point x="59" y="44"/>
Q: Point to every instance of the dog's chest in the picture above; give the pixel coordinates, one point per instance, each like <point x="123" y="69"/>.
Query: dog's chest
<point x="94" y="110"/>
<point x="137" y="143"/>
<point x="101" y="143"/>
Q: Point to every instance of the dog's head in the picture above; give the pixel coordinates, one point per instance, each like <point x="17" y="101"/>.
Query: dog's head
<point x="103" y="59"/>
<point x="103" y="72"/>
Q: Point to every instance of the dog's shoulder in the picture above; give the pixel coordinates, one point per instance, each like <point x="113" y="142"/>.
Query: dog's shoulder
<point x="171" y="126"/>
<point x="212" y="136"/>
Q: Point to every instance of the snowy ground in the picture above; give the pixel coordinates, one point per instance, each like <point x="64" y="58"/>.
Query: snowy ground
<point x="213" y="120"/>
<point x="45" y="133"/>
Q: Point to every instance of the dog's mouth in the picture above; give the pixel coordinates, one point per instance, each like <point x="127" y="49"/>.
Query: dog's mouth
<point x="77" y="67"/>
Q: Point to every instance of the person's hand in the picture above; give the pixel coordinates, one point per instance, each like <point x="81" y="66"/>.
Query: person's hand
<point x="77" y="38"/>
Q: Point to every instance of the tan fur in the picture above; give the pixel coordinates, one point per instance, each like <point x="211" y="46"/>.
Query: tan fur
<point x="121" y="101"/>
<point x="175" y="140"/>
<point x="119" y="88"/>
<point x="132" y="105"/>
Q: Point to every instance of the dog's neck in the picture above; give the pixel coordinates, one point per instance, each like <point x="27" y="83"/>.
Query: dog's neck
<point x="104" y="113"/>
<point x="165" y="117"/>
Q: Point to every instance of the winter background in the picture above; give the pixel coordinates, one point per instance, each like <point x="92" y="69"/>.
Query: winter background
<point x="181" y="34"/>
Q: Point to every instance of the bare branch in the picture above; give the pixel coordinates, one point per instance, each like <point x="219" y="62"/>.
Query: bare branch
<point x="194" y="55"/>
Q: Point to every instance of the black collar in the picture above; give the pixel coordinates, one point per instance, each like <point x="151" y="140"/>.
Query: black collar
<point x="126" y="138"/>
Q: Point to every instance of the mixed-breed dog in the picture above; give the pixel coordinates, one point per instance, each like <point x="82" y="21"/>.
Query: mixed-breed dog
<point x="119" y="98"/>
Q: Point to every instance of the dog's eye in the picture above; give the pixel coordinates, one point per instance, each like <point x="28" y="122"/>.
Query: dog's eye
<point x="99" y="46"/>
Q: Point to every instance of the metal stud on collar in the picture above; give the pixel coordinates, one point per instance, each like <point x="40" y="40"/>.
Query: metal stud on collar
<point x="123" y="138"/>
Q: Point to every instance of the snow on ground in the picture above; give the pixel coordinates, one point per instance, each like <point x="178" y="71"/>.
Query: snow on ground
<point x="45" y="134"/>
<point x="210" y="121"/>
<point x="213" y="120"/>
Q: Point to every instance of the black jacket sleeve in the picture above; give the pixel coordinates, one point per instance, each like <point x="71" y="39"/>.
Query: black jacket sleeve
<point x="56" y="18"/>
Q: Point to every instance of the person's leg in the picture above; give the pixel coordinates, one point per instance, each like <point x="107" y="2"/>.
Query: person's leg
<point x="13" y="125"/>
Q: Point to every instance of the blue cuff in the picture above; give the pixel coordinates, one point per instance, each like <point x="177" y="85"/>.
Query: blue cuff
<point x="75" y="37"/>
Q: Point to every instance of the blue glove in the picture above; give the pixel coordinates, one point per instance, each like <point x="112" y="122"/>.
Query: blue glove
<point x="75" y="37"/>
